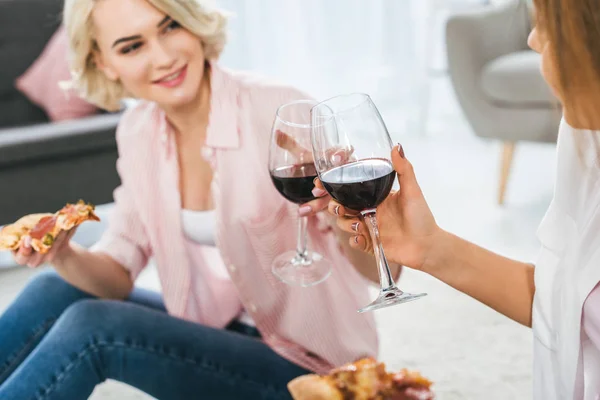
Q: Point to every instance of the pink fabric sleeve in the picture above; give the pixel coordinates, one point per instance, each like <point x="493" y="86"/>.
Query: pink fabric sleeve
<point x="590" y="320"/>
<point x="125" y="240"/>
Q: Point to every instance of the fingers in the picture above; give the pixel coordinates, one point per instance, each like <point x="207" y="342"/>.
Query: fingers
<point x="359" y="233"/>
<point x="318" y="185"/>
<point x="406" y="174"/>
<point x="24" y="252"/>
<point x="26" y="255"/>
<point x="61" y="240"/>
<point x="20" y="258"/>
<point x="360" y="242"/>
<point x="290" y="144"/>
<point x="313" y="207"/>
<point x="353" y="225"/>
<point x="339" y="210"/>
<point x="35" y="260"/>
<point x="336" y="157"/>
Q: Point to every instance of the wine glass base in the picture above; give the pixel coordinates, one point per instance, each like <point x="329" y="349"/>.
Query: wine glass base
<point x="306" y="271"/>
<point x="391" y="297"/>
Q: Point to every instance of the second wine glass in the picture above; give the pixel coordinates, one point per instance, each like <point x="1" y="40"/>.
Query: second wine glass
<point x="352" y="152"/>
<point x="293" y="172"/>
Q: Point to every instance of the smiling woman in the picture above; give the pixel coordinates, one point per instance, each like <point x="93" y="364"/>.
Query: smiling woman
<point x="223" y="326"/>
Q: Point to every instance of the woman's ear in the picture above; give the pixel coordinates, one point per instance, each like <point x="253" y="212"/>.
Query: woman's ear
<point x="109" y="72"/>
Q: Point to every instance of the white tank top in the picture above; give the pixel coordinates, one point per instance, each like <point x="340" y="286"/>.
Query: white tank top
<point x="199" y="227"/>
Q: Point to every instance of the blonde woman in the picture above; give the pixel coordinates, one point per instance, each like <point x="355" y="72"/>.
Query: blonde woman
<point x="193" y="166"/>
<point x="559" y="296"/>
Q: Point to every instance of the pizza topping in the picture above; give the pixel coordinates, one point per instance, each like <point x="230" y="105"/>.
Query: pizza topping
<point x="43" y="227"/>
<point x="405" y="378"/>
<point x="367" y="379"/>
<point x="48" y="239"/>
<point x="411" y="386"/>
<point x="80" y="208"/>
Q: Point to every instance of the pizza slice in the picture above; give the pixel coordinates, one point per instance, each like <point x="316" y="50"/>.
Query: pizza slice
<point x="10" y="235"/>
<point x="365" y="379"/>
<point x="42" y="229"/>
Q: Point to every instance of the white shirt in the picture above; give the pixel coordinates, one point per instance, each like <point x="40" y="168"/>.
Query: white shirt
<point x="567" y="270"/>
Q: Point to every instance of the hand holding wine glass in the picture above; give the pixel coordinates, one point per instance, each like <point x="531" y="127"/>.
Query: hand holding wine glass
<point x="407" y="228"/>
<point x="310" y="203"/>
<point x="363" y="182"/>
<point x="293" y="173"/>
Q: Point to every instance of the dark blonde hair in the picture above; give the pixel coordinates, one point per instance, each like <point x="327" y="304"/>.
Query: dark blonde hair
<point x="572" y="28"/>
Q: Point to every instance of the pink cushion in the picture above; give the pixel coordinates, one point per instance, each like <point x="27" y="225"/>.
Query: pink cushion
<point x="40" y="82"/>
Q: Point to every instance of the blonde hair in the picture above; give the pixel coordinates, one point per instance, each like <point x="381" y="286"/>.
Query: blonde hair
<point x="208" y="23"/>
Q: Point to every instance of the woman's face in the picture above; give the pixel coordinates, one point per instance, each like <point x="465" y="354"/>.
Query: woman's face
<point x="152" y="56"/>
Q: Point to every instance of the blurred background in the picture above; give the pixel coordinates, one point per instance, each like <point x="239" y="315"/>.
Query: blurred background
<point x="456" y="86"/>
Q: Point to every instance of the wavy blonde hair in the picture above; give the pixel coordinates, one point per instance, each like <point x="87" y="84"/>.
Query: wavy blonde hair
<point x="208" y="23"/>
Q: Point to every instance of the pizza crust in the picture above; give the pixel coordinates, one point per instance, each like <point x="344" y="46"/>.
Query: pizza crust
<point x="313" y="387"/>
<point x="364" y="379"/>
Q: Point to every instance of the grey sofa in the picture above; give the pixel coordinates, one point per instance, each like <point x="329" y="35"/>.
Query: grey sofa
<point x="497" y="79"/>
<point x="43" y="165"/>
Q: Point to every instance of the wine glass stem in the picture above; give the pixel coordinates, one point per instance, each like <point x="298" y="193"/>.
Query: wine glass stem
<point x="301" y="245"/>
<point x="385" y="275"/>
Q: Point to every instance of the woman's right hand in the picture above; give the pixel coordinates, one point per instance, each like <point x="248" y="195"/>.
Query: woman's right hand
<point x="26" y="255"/>
<point x="407" y="228"/>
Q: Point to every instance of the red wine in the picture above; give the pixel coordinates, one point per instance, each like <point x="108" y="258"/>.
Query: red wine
<point x="295" y="182"/>
<point x="361" y="185"/>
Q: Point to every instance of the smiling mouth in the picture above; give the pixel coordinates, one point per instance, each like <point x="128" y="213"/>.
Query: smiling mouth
<point x="171" y="78"/>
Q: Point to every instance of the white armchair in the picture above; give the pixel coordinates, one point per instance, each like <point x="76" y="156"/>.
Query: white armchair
<point x="497" y="79"/>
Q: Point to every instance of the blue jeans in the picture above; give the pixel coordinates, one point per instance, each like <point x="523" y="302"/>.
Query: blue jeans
<point x="57" y="342"/>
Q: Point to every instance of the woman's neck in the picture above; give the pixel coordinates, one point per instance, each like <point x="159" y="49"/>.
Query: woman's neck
<point x="187" y="119"/>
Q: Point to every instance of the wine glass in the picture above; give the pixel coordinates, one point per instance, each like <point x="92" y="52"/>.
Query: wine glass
<point x="293" y="173"/>
<point x="352" y="153"/>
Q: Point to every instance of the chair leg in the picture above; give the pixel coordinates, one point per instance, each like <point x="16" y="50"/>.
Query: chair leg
<point x="508" y="151"/>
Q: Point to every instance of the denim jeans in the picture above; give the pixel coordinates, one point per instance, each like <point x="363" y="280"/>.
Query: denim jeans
<point x="57" y="342"/>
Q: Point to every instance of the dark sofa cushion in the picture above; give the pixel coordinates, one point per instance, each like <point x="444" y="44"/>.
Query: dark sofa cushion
<point x="25" y="28"/>
<point x="17" y="110"/>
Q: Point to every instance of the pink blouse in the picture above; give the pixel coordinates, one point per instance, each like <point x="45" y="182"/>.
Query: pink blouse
<point x="588" y="374"/>
<point x="317" y="327"/>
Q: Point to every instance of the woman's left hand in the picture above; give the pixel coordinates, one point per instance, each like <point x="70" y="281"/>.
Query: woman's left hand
<point x="323" y="198"/>
<point x="315" y="206"/>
